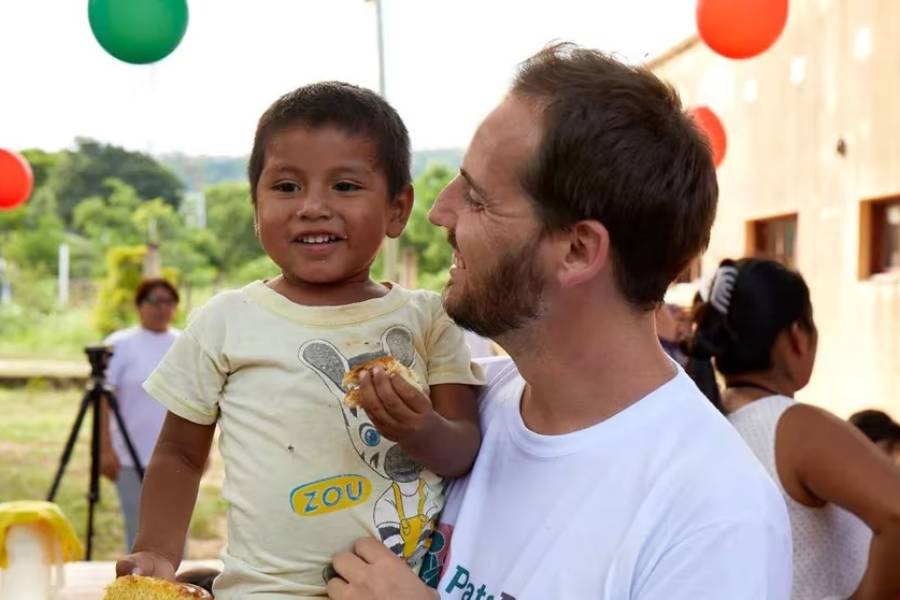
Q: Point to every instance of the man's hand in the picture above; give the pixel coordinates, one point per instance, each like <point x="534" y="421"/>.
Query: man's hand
<point x="109" y="464"/>
<point x="372" y="572"/>
<point x="149" y="564"/>
<point x="402" y="413"/>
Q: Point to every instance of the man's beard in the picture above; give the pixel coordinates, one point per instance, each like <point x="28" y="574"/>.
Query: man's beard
<point x="501" y="301"/>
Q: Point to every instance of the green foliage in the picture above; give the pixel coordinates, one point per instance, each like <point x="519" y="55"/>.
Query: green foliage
<point x="31" y="235"/>
<point x="197" y="172"/>
<point x="109" y="219"/>
<point x="229" y="216"/>
<point x="115" y="304"/>
<point x="83" y="173"/>
<point x="259" y="268"/>
<point x="433" y="253"/>
<point x="42" y="163"/>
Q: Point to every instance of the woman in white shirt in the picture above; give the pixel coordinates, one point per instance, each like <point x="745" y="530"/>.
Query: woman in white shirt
<point x="843" y="495"/>
<point x="136" y="353"/>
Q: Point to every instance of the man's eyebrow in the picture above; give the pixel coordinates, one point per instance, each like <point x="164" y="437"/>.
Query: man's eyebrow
<point x="478" y="189"/>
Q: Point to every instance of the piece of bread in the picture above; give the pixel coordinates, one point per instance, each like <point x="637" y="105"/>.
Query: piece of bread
<point x="390" y="364"/>
<point x="136" y="587"/>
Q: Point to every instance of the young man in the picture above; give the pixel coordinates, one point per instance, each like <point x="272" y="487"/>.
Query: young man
<point x="603" y="472"/>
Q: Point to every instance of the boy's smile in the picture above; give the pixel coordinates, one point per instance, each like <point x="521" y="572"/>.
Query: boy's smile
<point x="323" y="207"/>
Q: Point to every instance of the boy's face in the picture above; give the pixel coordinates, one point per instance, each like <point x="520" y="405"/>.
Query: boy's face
<point x="323" y="207"/>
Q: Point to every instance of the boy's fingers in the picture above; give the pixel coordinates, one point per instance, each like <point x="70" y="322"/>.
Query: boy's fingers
<point x="372" y="404"/>
<point x="392" y="401"/>
<point x="126" y="566"/>
<point x="412" y="396"/>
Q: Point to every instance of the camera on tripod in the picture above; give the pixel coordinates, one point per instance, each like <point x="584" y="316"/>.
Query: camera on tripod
<point x="96" y="393"/>
<point x="98" y="356"/>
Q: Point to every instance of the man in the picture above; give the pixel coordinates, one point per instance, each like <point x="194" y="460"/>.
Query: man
<point x="603" y="471"/>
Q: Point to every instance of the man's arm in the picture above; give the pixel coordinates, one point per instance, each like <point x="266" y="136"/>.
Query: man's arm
<point x="440" y="433"/>
<point x="372" y="572"/>
<point x="168" y="498"/>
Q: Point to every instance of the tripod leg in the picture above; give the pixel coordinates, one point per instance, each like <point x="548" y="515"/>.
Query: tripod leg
<point x="70" y="444"/>
<point x="113" y="404"/>
<point x="94" y="489"/>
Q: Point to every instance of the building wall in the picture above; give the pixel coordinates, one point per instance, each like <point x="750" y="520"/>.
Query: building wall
<point x="784" y="113"/>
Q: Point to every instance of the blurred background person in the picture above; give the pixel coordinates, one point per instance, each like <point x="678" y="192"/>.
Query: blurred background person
<point x="136" y="352"/>
<point x="843" y="495"/>
<point x="879" y="427"/>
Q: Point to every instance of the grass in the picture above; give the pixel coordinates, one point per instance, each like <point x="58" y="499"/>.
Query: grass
<point x="61" y="335"/>
<point x="33" y="431"/>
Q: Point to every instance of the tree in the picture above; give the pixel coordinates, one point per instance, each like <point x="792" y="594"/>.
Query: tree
<point x="229" y="216"/>
<point x="433" y="252"/>
<point x="81" y="174"/>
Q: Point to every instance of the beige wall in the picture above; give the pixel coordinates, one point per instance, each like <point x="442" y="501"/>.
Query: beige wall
<point x="782" y="158"/>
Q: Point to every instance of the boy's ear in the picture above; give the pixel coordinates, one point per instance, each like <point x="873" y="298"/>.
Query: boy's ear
<point x="399" y="211"/>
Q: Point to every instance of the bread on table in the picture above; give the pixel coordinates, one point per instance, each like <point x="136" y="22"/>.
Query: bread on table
<point x="353" y="397"/>
<point x="136" y="587"/>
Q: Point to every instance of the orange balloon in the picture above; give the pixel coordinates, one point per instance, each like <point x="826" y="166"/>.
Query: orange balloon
<point x="712" y="128"/>
<point x="16" y="179"/>
<point x="741" y="28"/>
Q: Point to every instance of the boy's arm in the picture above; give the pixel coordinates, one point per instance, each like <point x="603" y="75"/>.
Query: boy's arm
<point x="442" y="433"/>
<point x="168" y="498"/>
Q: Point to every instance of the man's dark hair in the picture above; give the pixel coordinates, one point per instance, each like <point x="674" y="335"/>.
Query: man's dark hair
<point x="618" y="148"/>
<point x="146" y="287"/>
<point x="353" y="109"/>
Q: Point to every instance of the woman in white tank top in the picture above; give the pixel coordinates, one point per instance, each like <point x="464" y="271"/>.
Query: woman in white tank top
<point x="842" y="494"/>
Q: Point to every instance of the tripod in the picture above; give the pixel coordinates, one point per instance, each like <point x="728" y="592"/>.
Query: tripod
<point x="97" y="389"/>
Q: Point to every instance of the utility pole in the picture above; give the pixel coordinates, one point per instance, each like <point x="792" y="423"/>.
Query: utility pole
<point x="390" y="244"/>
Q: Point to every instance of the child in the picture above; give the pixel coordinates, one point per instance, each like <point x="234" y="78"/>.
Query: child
<point x="306" y="474"/>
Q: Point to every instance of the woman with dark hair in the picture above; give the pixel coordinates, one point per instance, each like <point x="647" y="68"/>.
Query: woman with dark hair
<point x="136" y="352"/>
<point x="843" y="495"/>
<point x="879" y="427"/>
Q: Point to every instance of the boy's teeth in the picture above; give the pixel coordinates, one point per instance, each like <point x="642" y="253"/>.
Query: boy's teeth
<point x="317" y="239"/>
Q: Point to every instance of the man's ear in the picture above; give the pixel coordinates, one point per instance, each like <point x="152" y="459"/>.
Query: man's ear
<point x="586" y="252"/>
<point x="399" y="211"/>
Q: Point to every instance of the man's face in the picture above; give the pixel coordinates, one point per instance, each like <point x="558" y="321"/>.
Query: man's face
<point x="497" y="279"/>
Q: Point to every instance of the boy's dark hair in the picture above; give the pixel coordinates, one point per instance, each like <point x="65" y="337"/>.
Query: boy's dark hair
<point x="147" y="286"/>
<point x="353" y="109"/>
<point x="618" y="148"/>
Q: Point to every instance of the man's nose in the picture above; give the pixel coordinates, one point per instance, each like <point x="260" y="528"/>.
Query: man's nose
<point x="441" y="213"/>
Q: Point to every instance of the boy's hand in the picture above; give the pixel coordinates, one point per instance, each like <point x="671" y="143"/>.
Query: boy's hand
<point x="148" y="564"/>
<point x="400" y="411"/>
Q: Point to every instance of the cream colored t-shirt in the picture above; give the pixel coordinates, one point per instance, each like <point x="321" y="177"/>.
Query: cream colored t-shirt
<point x="305" y="476"/>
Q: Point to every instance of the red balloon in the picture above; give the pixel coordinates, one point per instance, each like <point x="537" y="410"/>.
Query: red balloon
<point x="740" y="28"/>
<point x="16" y="179"/>
<point x="712" y="127"/>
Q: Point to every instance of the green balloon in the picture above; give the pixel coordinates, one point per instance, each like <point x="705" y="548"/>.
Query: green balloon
<point x="138" y="31"/>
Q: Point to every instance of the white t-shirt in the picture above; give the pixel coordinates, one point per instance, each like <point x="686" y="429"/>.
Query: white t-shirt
<point x="136" y="352"/>
<point x="661" y="501"/>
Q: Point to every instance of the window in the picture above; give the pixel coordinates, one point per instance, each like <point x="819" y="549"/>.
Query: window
<point x="774" y="238"/>
<point x="879" y="222"/>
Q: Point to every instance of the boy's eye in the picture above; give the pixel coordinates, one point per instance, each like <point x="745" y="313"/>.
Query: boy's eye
<point x="287" y="186"/>
<point x="346" y="186"/>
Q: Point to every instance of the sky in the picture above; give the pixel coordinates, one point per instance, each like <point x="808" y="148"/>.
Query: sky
<point x="446" y="64"/>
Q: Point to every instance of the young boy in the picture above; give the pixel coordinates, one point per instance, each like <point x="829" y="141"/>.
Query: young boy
<point x="306" y="472"/>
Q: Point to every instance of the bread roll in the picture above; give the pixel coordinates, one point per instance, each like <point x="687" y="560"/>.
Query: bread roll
<point x="390" y="365"/>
